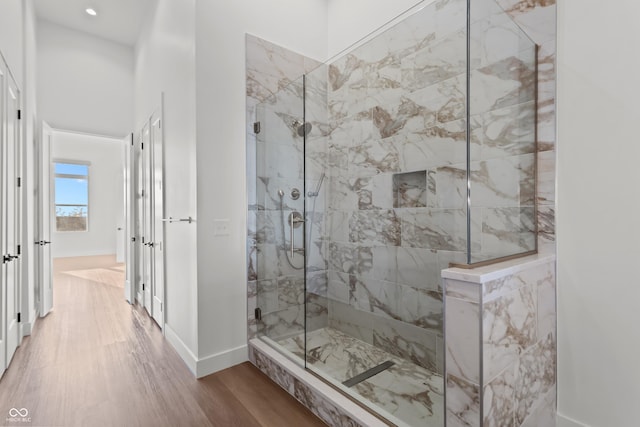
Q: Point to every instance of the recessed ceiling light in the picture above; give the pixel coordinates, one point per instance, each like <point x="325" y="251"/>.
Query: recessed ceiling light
<point x="91" y="11"/>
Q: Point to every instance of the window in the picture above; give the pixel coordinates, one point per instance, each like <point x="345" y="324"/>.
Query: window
<point x="71" y="196"/>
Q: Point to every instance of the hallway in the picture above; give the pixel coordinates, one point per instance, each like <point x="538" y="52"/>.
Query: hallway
<point x="95" y="360"/>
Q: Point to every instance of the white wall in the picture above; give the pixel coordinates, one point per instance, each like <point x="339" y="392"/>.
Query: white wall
<point x="351" y="20"/>
<point x="85" y="83"/>
<point x="220" y="57"/>
<point x="165" y="62"/>
<point x="106" y="193"/>
<point x="598" y="203"/>
<point x="11" y="37"/>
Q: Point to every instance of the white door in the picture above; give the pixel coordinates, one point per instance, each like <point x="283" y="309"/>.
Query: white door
<point x="11" y="207"/>
<point x="3" y="202"/>
<point x="139" y="225"/>
<point x="157" y="244"/>
<point x="129" y="224"/>
<point x="43" y="231"/>
<point x="147" y="209"/>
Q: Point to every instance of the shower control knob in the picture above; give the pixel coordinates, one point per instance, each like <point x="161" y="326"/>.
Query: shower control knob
<point x="295" y="194"/>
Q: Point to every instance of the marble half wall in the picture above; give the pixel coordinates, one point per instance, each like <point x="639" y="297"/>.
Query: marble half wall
<point x="501" y="343"/>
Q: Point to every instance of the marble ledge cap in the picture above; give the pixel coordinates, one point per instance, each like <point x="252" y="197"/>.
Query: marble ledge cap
<point x="495" y="271"/>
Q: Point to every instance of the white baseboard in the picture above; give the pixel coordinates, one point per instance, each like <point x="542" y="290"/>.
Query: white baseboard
<point x="25" y="329"/>
<point x="219" y="361"/>
<point x="183" y="351"/>
<point x="562" y="421"/>
<point x="207" y="365"/>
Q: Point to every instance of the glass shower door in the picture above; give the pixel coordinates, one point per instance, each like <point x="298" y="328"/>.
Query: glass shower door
<point x="280" y="258"/>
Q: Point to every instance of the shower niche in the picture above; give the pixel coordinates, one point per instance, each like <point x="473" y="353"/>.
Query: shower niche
<point x="411" y="152"/>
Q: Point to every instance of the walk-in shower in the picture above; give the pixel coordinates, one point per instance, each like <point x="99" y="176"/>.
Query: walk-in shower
<point x="410" y="152"/>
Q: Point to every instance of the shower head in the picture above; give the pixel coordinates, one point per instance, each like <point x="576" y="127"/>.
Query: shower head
<point x="303" y="128"/>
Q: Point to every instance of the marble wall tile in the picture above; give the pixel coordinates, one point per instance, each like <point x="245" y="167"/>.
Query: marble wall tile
<point x="283" y="323"/>
<point x="252" y="303"/>
<point x="420" y="307"/>
<point x="317" y="312"/>
<point x="440" y="60"/>
<point x="410" y="190"/>
<point x="547" y="311"/>
<point x="508" y="131"/>
<point x="375" y="192"/>
<point x="509" y="327"/>
<point x="463" y="402"/>
<point x="352" y="322"/>
<point x="448" y="187"/>
<point x="375" y="296"/>
<point x="546" y="178"/>
<point x="506" y="231"/>
<point x="462" y="339"/>
<point x="375" y="227"/>
<point x="267" y="297"/>
<point x="544" y="414"/>
<point x="419" y="268"/>
<point x="290" y="291"/>
<point x="279" y="375"/>
<point x="339" y="286"/>
<point x="507" y="82"/>
<point x="535" y="17"/>
<point x="547" y="229"/>
<point x="498" y="399"/>
<point x="269" y="67"/>
<point x="536" y="376"/>
<point x="546" y="95"/>
<point x="441" y="352"/>
<point x="443" y="229"/>
<point x="407" y="342"/>
<point x="323" y="408"/>
<point x="466" y="291"/>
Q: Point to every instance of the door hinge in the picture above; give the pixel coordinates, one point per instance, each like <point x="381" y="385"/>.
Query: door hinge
<point x="159" y="124"/>
<point x="19" y="249"/>
<point x="19" y="318"/>
<point x="257" y="313"/>
<point x="256" y="127"/>
<point x="19" y="114"/>
<point x="19" y="182"/>
<point x="143" y="286"/>
<point x="142" y="145"/>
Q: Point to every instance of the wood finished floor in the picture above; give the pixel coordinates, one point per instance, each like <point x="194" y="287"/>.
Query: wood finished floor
<point x="97" y="361"/>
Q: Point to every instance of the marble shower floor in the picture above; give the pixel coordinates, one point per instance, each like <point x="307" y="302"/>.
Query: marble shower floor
<point x="409" y="392"/>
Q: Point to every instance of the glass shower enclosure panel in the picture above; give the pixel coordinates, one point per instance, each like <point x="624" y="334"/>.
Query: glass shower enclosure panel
<point x="280" y="261"/>
<point x="502" y="154"/>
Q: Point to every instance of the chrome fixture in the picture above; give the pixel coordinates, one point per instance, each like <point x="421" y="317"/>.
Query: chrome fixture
<point x="295" y="221"/>
<point x="295" y="194"/>
<point x="315" y="193"/>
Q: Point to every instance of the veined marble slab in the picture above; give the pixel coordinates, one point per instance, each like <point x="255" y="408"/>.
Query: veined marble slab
<point x="409" y="392"/>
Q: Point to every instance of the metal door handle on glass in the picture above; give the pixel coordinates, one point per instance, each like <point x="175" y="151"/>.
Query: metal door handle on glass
<point x="295" y="220"/>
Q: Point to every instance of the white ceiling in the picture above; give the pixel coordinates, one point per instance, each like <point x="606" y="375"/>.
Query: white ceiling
<point x="117" y="20"/>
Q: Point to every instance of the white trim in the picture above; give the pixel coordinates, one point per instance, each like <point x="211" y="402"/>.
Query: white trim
<point x="25" y="330"/>
<point x="181" y="348"/>
<point x="562" y="421"/>
<point x="219" y="361"/>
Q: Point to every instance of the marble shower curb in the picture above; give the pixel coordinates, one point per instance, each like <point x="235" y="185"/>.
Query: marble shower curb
<point x="328" y="404"/>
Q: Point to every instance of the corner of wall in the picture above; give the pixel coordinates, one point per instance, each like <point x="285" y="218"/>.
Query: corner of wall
<point x="223" y="360"/>
<point x="181" y="348"/>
